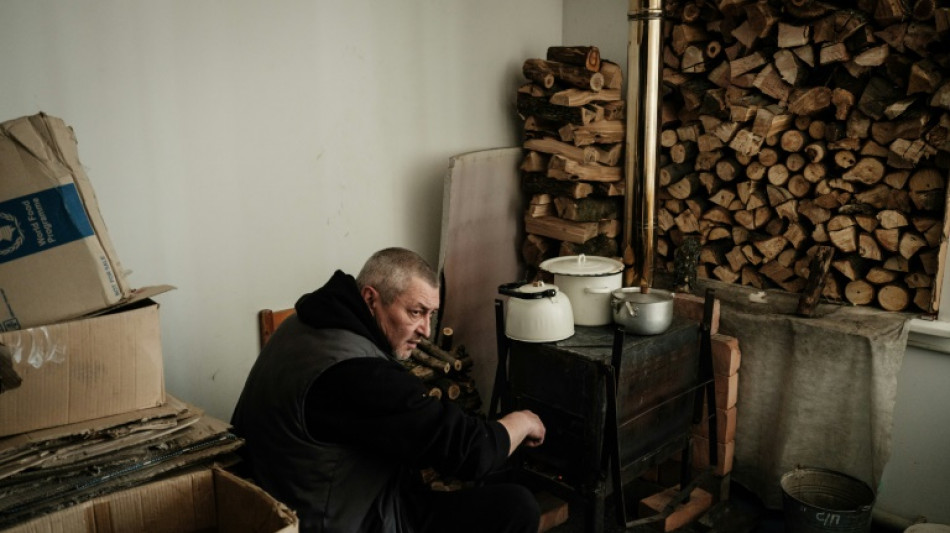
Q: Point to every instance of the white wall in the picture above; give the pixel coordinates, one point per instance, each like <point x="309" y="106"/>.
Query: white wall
<point x="242" y="150"/>
<point x="916" y="481"/>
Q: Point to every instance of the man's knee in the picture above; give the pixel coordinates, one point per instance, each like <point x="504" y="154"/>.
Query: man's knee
<point x="521" y="506"/>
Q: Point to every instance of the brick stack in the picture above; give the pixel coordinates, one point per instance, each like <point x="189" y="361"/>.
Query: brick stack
<point x="725" y="361"/>
<point x="726" y="357"/>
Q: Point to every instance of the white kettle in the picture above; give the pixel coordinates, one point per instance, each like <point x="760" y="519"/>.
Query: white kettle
<point x="537" y="312"/>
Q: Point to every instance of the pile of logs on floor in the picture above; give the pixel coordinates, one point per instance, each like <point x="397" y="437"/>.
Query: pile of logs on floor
<point x="574" y="129"/>
<point x="444" y="369"/>
<point x="792" y="127"/>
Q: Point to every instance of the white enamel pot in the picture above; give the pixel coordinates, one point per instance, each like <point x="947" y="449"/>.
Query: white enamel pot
<point x="642" y="313"/>
<point x="537" y="312"/>
<point x="588" y="282"/>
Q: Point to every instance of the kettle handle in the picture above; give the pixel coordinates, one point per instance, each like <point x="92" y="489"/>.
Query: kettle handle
<point x="510" y="289"/>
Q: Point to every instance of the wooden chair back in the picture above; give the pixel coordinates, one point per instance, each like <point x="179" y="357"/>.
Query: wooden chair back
<point x="269" y="320"/>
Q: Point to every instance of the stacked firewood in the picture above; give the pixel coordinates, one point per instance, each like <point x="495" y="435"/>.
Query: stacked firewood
<point x="793" y="127"/>
<point x="572" y="170"/>
<point x="444" y="369"/>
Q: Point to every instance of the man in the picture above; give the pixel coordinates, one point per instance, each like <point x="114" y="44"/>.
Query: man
<point x="337" y="428"/>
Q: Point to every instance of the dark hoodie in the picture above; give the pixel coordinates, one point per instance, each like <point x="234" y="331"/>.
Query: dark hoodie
<point x="368" y="404"/>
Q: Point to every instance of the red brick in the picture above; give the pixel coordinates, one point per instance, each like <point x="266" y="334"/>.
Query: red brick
<point x="684" y="513"/>
<point x="727" y="391"/>
<point x="724" y="455"/>
<point x="725" y="425"/>
<point x="553" y="511"/>
<point x="689" y="306"/>
<point x="725" y="355"/>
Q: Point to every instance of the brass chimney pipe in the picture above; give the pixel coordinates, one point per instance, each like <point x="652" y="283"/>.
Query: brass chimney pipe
<point x="644" y="68"/>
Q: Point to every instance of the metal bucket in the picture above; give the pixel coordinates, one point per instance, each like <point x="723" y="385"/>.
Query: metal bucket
<point x="816" y="500"/>
<point x="928" y="528"/>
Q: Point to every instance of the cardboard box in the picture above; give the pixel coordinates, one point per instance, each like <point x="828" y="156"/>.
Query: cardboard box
<point x="83" y="369"/>
<point x="56" y="259"/>
<point x="204" y="500"/>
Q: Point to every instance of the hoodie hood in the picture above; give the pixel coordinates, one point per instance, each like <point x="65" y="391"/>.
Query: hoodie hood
<point x="338" y="305"/>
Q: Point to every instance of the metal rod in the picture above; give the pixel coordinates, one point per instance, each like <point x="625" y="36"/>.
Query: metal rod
<point x="644" y="55"/>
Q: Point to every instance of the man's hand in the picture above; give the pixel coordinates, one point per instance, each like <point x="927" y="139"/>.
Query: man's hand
<point x="523" y="427"/>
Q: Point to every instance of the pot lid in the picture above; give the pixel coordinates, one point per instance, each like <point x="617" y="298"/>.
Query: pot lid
<point x="537" y="286"/>
<point x="582" y="265"/>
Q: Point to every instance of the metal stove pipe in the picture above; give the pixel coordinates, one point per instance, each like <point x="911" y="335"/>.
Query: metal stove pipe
<point x="644" y="69"/>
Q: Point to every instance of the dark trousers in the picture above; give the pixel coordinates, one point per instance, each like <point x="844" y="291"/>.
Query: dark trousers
<point x="493" y="508"/>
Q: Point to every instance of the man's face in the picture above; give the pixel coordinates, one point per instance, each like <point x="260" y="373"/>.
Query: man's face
<point x="407" y="319"/>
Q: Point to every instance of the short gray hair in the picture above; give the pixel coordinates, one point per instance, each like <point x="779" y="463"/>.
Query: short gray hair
<point x="390" y="270"/>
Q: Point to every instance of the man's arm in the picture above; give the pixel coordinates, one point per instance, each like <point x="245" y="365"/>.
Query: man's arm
<point x="378" y="406"/>
<point x="523" y="427"/>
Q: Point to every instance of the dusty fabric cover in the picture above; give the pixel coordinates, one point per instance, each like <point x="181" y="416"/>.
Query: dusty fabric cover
<point x="815" y="391"/>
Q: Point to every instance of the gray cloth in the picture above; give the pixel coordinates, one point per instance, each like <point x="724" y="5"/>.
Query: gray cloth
<point x="816" y="392"/>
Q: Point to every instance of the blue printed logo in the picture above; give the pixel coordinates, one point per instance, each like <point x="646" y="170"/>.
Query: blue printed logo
<point x="45" y="219"/>
<point x="11" y="235"/>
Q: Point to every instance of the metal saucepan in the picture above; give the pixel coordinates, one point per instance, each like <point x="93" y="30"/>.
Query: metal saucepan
<point x="640" y="312"/>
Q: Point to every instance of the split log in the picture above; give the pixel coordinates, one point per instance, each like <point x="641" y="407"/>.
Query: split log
<point x="809" y="101"/>
<point x="577" y="97"/>
<point x="561" y="168"/>
<point x="867" y="170"/>
<point x="927" y="187"/>
<point x="446" y="337"/>
<point x="613" y="75"/>
<point x="535" y="182"/>
<point x="540" y="107"/>
<point x="449" y="388"/>
<point x="880" y="276"/>
<point x="591" y="209"/>
<point x="893" y="298"/>
<point x="602" y="132"/>
<point x="555" y="147"/>
<point x="910" y="244"/>
<point x="562" y="230"/>
<point x="918" y="280"/>
<point x="539" y="73"/>
<point x="868" y="248"/>
<point x="889" y="239"/>
<point x="583" y="56"/>
<point x="791" y="36"/>
<point x="845" y="239"/>
<point x="859" y="292"/>
<point x="685" y="187"/>
<point x="575" y="76"/>
<point x="431" y="349"/>
<point x="430" y="361"/>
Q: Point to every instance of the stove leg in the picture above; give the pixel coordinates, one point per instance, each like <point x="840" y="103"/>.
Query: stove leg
<point x="596" y="508"/>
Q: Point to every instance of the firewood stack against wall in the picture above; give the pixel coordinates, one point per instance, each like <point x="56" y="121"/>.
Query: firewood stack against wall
<point x="791" y="126"/>
<point x="574" y="130"/>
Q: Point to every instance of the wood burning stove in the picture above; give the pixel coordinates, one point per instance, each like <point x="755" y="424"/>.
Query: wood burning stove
<point x="614" y="405"/>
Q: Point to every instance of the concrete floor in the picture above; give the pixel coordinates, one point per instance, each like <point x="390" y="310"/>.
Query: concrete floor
<point x="741" y="513"/>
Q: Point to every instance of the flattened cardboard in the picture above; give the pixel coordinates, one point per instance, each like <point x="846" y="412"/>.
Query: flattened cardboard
<point x="172" y="407"/>
<point x="56" y="257"/>
<point x="203" y="500"/>
<point x="84" y="369"/>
